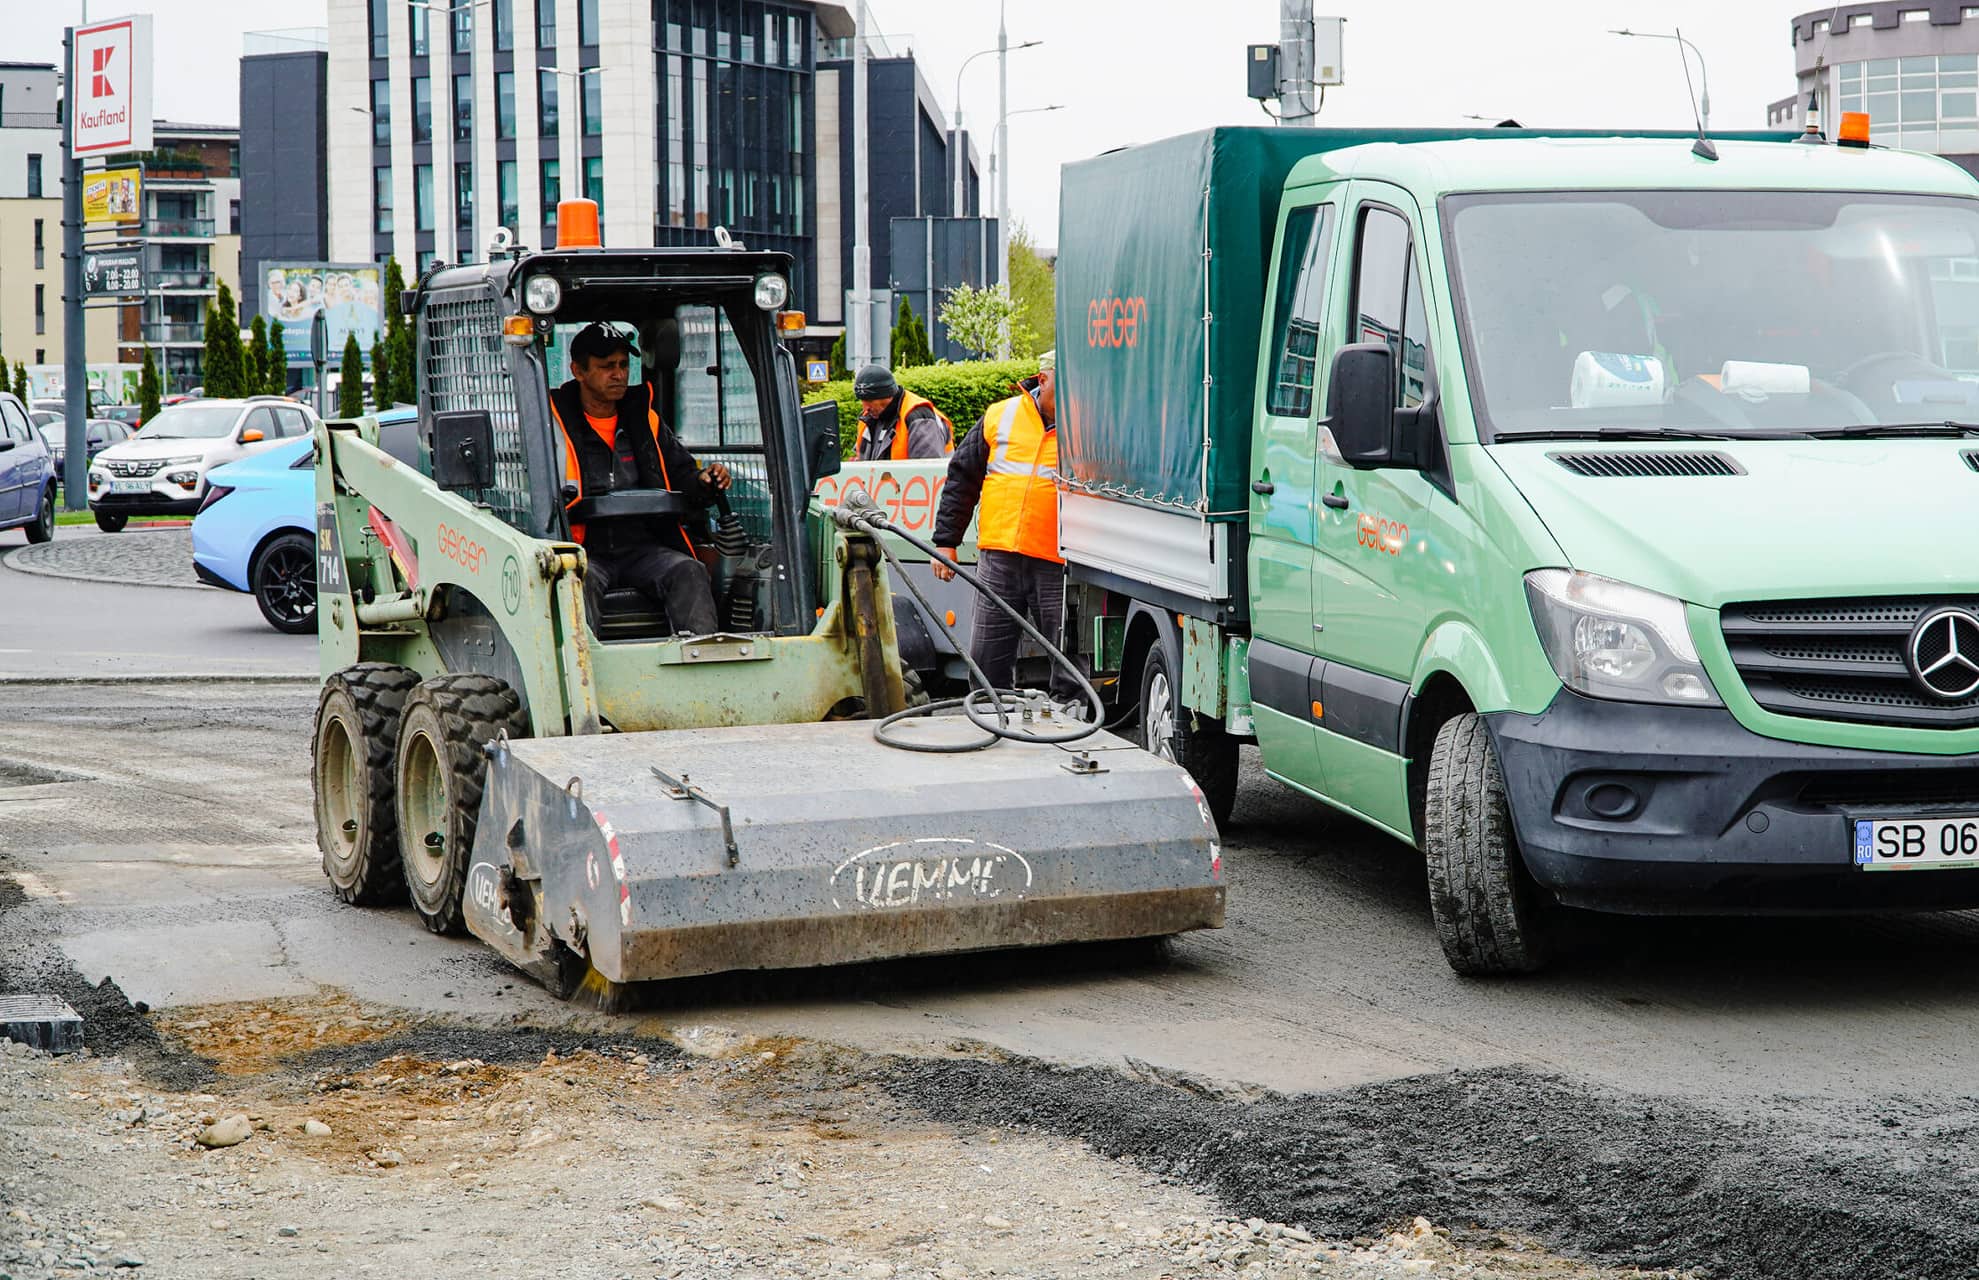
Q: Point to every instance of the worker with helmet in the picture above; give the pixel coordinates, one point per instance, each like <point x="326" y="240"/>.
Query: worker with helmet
<point x="614" y="440"/>
<point x="1009" y="464"/>
<point x="895" y="424"/>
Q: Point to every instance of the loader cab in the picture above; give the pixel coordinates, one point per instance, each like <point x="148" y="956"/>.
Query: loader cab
<point x="493" y="339"/>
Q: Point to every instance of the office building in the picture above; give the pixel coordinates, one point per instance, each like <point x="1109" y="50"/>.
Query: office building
<point x="284" y="154"/>
<point x="191" y="228"/>
<point x="1914" y="67"/>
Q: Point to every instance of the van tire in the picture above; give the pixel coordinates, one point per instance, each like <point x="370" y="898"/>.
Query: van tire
<point x="1197" y="744"/>
<point x="111" y="521"/>
<point x="1490" y="915"/>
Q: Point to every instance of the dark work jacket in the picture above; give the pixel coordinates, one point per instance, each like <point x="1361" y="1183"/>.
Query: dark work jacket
<point x="646" y="455"/>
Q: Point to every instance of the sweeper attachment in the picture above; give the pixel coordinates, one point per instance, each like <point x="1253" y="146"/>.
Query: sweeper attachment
<point x="607" y="801"/>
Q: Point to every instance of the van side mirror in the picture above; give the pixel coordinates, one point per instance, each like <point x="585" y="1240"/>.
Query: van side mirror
<point x="464" y="449"/>
<point x="822" y="449"/>
<point x="1360" y="404"/>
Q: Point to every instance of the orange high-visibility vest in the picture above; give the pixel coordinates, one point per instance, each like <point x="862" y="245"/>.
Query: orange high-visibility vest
<point x="574" y="471"/>
<point x="1019" y="509"/>
<point x="908" y="403"/>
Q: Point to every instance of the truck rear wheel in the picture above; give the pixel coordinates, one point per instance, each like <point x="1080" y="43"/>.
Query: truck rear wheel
<point x="1490" y="915"/>
<point x="442" y="765"/>
<point x="357" y="733"/>
<point x="1173" y="732"/>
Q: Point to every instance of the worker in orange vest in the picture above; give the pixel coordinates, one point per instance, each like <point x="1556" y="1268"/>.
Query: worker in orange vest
<point x="895" y="424"/>
<point x="1009" y="463"/>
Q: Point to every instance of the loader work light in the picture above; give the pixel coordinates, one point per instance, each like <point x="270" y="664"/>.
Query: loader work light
<point x="542" y="294"/>
<point x="772" y="291"/>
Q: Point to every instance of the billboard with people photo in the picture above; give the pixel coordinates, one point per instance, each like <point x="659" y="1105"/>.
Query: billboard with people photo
<point x="350" y="298"/>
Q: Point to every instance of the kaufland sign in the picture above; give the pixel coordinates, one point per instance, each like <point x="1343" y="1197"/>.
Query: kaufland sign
<point x="110" y="87"/>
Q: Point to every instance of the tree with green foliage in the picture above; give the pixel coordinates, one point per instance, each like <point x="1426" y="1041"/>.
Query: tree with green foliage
<point x="1034" y="290"/>
<point x="224" y="363"/>
<point x="381" y="374"/>
<point x="148" y="391"/>
<point x="278" y="363"/>
<point x="909" y="346"/>
<point x="255" y="371"/>
<point x="975" y="319"/>
<point x="20" y="380"/>
<point x="835" y="361"/>
<point x="350" y="386"/>
<point x="398" y="343"/>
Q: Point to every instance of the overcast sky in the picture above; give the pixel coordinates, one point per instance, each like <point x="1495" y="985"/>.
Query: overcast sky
<point x="1131" y="70"/>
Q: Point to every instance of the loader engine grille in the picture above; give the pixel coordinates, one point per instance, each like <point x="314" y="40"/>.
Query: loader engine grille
<point x="467" y="367"/>
<point x="1842" y="660"/>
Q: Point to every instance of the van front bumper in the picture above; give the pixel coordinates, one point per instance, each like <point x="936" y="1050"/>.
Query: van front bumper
<point x="1634" y="808"/>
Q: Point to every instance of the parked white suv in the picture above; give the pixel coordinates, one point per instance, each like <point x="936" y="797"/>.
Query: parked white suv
<point x="162" y="469"/>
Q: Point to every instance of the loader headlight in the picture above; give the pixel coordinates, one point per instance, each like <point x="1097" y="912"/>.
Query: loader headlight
<point x="542" y="294"/>
<point x="1607" y="639"/>
<point x="772" y="291"/>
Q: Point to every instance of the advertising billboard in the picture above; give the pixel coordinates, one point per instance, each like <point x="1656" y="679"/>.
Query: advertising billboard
<point x="110" y="196"/>
<point x="110" y="87"/>
<point x="350" y="298"/>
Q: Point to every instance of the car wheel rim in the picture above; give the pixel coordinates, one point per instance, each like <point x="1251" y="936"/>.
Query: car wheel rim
<point x="424" y="817"/>
<point x="1160" y="720"/>
<point x="288" y="583"/>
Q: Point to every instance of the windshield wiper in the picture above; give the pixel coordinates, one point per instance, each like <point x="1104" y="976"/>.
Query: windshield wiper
<point x="1619" y="433"/>
<point x="1872" y="430"/>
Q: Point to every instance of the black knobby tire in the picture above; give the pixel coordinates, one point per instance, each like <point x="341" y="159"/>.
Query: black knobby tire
<point x="283" y="579"/>
<point x="1173" y="732"/>
<point x="42" y="527"/>
<point x="111" y="521"/>
<point x="442" y="766"/>
<point x="352" y="772"/>
<point x="1490" y="916"/>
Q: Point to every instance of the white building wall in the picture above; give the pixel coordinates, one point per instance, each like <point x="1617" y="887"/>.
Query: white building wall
<point x="627" y="99"/>
<point x="528" y="152"/>
<point x="348" y="132"/>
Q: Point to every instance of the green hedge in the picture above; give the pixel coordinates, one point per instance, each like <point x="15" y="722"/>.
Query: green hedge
<point x="962" y="391"/>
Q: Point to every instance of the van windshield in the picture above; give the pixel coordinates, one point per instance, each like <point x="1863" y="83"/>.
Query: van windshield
<point x="1716" y="312"/>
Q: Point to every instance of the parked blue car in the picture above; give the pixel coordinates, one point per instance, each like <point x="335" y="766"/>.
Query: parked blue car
<point x="27" y="474"/>
<point x="256" y="530"/>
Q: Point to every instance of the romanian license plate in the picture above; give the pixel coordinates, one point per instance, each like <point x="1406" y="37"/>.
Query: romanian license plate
<point x="1898" y="844"/>
<point x="130" y="486"/>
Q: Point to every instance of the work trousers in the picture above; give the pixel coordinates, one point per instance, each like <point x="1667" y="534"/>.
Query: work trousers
<point x="672" y="579"/>
<point x="1034" y="588"/>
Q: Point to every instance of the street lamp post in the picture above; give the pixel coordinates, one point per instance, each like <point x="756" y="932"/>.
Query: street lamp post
<point x="474" y="88"/>
<point x="566" y="177"/>
<point x="961" y="186"/>
<point x="1703" y="77"/>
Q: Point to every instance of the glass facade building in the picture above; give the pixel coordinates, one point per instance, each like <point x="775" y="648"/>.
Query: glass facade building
<point x="1912" y="66"/>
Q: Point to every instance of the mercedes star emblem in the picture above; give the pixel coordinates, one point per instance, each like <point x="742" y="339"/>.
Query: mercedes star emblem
<point x="1944" y="654"/>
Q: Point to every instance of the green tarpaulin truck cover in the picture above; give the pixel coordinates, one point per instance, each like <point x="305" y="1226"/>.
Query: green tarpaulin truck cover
<point x="1164" y="250"/>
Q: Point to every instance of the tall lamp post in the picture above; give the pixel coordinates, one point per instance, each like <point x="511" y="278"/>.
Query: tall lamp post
<point x="565" y="180"/>
<point x="474" y="89"/>
<point x="961" y="186"/>
<point x="1703" y="77"/>
<point x="996" y="171"/>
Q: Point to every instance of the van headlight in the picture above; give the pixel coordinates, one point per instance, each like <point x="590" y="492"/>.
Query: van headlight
<point x="1607" y="639"/>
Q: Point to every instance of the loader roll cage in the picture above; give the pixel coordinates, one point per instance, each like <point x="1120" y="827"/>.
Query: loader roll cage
<point x="720" y="379"/>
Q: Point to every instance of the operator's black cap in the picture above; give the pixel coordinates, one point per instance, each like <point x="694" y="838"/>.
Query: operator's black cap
<point x="874" y="382"/>
<point x="597" y="340"/>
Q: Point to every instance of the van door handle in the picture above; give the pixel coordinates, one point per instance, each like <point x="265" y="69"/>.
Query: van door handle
<point x="1263" y="486"/>
<point x="1338" y="501"/>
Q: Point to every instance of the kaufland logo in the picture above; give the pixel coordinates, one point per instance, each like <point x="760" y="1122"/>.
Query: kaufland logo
<point x="99" y="74"/>
<point x="111" y="81"/>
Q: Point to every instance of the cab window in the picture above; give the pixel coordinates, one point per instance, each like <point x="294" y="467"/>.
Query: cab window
<point x="1388" y="304"/>
<point x="715" y="394"/>
<point x="1297" y="309"/>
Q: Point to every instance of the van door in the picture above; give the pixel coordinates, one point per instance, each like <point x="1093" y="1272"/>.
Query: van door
<point x="1383" y="549"/>
<point x="1282" y="583"/>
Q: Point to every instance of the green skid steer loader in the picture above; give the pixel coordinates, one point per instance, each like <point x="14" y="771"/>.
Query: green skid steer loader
<point x="605" y="802"/>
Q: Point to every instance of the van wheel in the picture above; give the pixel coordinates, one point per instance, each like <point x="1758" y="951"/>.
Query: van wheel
<point x="443" y="765"/>
<point x="357" y="731"/>
<point x="42" y="527"/>
<point x="1490" y="915"/>
<point x="111" y="522"/>
<point x="1173" y="732"/>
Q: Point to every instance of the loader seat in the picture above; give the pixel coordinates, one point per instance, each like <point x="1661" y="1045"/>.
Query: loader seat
<point x="629" y="614"/>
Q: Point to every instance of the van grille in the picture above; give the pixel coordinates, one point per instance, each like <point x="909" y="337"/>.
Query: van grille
<point x="1840" y="660"/>
<point x="1648" y="464"/>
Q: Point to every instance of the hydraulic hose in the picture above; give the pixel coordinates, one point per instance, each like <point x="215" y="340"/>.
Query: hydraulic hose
<point x="857" y="512"/>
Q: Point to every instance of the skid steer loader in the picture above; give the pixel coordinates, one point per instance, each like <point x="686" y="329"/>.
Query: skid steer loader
<point x="605" y="802"/>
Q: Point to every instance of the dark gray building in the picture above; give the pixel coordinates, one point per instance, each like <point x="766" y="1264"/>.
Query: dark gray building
<point x="1913" y="66"/>
<point x="284" y="155"/>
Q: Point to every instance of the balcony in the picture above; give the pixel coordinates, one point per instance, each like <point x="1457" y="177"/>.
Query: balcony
<point x="181" y="282"/>
<point x="170" y="331"/>
<point x="179" y="228"/>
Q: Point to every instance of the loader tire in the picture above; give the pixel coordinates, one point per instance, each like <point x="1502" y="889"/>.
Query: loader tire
<point x="1491" y="917"/>
<point x="1173" y="732"/>
<point x="351" y="771"/>
<point x="442" y="766"/>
